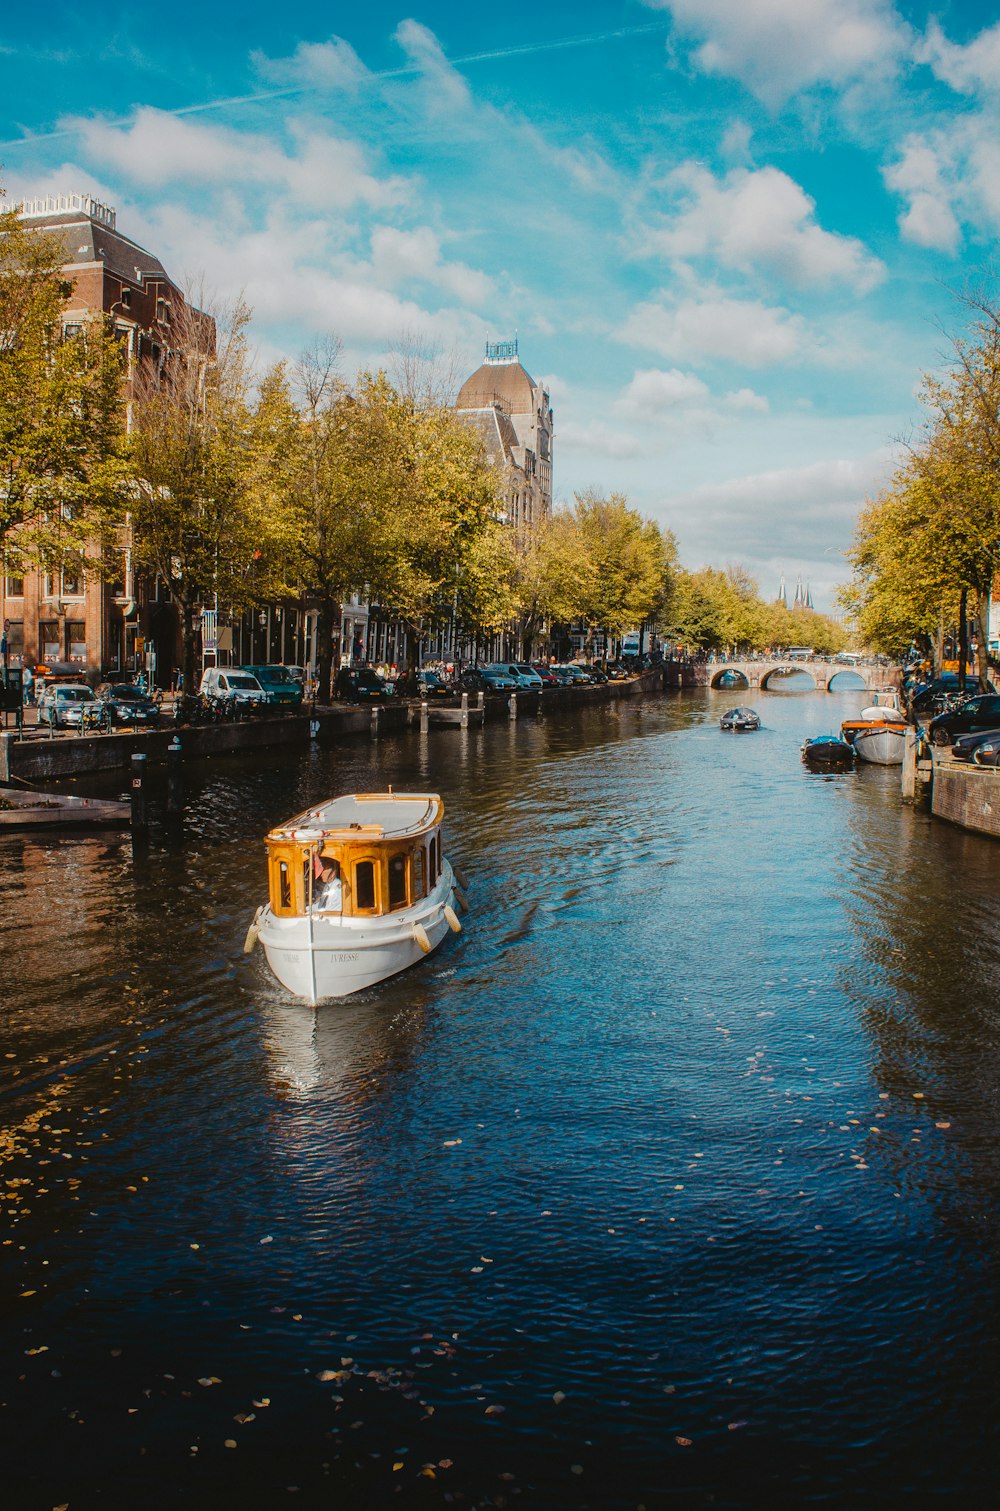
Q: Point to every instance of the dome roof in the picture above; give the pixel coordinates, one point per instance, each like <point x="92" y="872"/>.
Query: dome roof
<point x="503" y="383"/>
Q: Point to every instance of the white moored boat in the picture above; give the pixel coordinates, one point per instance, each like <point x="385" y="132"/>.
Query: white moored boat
<point x="358" y="889"/>
<point x="881" y="744"/>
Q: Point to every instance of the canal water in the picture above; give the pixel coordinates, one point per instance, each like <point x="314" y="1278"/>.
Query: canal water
<point x="671" y="1183"/>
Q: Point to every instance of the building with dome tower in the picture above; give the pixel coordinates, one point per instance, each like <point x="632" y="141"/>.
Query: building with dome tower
<point x="514" y="418"/>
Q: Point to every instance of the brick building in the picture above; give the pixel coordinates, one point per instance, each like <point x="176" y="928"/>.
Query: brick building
<point x="513" y="416"/>
<point x="75" y="619"/>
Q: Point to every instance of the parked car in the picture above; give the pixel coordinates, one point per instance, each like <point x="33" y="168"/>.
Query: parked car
<point x="545" y="672"/>
<point x="929" y="697"/>
<point x="572" y="674"/>
<point x="966" y="746"/>
<point x="981" y="712"/>
<point x="232" y="686"/>
<point x="63" y="704"/>
<point x="432" y="685"/>
<point x="359" y="684"/>
<point x="124" y="703"/>
<point x="523" y="676"/>
<point x="486" y="679"/>
<point x="988" y="752"/>
<point x="617" y="672"/>
<point x="280" y="685"/>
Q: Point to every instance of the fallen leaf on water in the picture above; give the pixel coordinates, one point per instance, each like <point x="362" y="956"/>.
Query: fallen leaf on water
<point x="683" y="1442"/>
<point x="230" y="1443"/>
<point x="327" y="1374"/>
<point x="734" y="1426"/>
<point x="559" y="1397"/>
<point x="576" y="1468"/>
<point x="445" y="1463"/>
<point x="494" y="1411"/>
<point x="936" y="1125"/>
<point x="264" y="1401"/>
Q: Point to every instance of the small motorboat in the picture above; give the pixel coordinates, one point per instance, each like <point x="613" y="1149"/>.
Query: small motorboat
<point x="827" y="750"/>
<point x="881" y="743"/>
<point x="740" y="718"/>
<point x="358" y="890"/>
<point x="44" y="810"/>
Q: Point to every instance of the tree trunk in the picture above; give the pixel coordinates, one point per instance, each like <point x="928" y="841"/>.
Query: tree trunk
<point x="328" y="615"/>
<point x="937" y="646"/>
<point x="983" y="639"/>
<point x="963" y="636"/>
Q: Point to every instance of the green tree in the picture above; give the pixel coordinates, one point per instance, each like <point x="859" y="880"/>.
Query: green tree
<point x="209" y="459"/>
<point x="61" y="410"/>
<point x="631" y="564"/>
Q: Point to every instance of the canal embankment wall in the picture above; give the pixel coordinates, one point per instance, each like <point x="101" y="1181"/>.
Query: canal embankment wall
<point x="39" y="758"/>
<point x="966" y="795"/>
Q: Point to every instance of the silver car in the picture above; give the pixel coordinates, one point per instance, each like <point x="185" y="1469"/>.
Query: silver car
<point x="65" y="703"/>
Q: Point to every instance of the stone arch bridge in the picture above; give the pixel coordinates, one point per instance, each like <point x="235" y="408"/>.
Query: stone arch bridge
<point x="824" y="672"/>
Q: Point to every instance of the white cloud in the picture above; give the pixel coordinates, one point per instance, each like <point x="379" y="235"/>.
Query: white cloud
<point x="760" y="220"/>
<point x="743" y="331"/>
<point x="402" y="256"/>
<point x="778" y="47"/>
<point x="747" y="399"/>
<point x="450" y="92"/>
<point x="653" y="392"/>
<point x="970" y="69"/>
<point x="332" y="65"/>
<point x="919" y="176"/>
<point x="317" y="170"/>
<point x="598" y="438"/>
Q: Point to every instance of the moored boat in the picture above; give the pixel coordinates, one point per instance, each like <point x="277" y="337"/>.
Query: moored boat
<point x="740" y="719"/>
<point x="827" y="750"/>
<point x="881" y="744"/>
<point x="358" y="891"/>
<point x="41" y="810"/>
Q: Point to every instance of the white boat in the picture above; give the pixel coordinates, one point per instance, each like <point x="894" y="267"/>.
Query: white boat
<point x="881" y="744"/>
<point x="31" y="810"/>
<point x="392" y="903"/>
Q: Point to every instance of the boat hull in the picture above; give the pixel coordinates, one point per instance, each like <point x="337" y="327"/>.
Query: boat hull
<point x="828" y="753"/>
<point x="881" y="747"/>
<point x="327" y="956"/>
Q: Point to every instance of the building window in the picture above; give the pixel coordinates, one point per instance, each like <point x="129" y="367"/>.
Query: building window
<point x="50" y="586"/>
<point x="76" y="639"/>
<point x="13" y="587"/>
<point x="49" y="646"/>
<point x="15" y="640"/>
<point x="72" y="578"/>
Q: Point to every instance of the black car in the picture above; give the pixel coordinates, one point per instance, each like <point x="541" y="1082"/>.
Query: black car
<point x="127" y="704"/>
<point x="979" y="713"/>
<point x="931" y="697"/>
<point x="359" y="684"/>
<point x="966" y="747"/>
<point x="432" y="685"/>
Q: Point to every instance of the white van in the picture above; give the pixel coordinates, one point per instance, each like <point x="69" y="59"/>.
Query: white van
<point x="520" y="672"/>
<point x="232" y="685"/>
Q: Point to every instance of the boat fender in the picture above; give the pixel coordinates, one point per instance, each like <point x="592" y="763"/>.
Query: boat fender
<point x="460" y="898"/>
<point x="420" y="935"/>
<point x="253" y="931"/>
<point x="452" y="919"/>
<point x="460" y="876"/>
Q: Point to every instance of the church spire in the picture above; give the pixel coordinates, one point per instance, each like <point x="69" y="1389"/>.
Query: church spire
<point x="782" y="597"/>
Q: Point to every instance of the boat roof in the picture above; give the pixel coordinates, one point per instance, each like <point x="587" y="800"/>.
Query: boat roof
<point x="365" y="815"/>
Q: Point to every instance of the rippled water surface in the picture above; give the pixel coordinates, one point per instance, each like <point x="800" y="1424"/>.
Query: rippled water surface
<point x="672" y="1182"/>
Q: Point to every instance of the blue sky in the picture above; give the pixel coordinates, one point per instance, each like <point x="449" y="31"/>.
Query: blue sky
<point x="727" y="232"/>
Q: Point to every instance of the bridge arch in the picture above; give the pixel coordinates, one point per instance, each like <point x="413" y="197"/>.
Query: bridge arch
<point x="730" y="677"/>
<point x="847" y="681"/>
<point x="787" y="669"/>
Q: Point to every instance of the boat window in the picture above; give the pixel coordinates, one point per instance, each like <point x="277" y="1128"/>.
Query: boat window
<point x="419" y="886"/>
<point x="397" y="881"/>
<point x="364" y="885"/>
<point x="284" y="884"/>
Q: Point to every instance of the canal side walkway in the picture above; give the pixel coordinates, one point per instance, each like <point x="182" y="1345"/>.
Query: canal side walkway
<point x="34" y="756"/>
